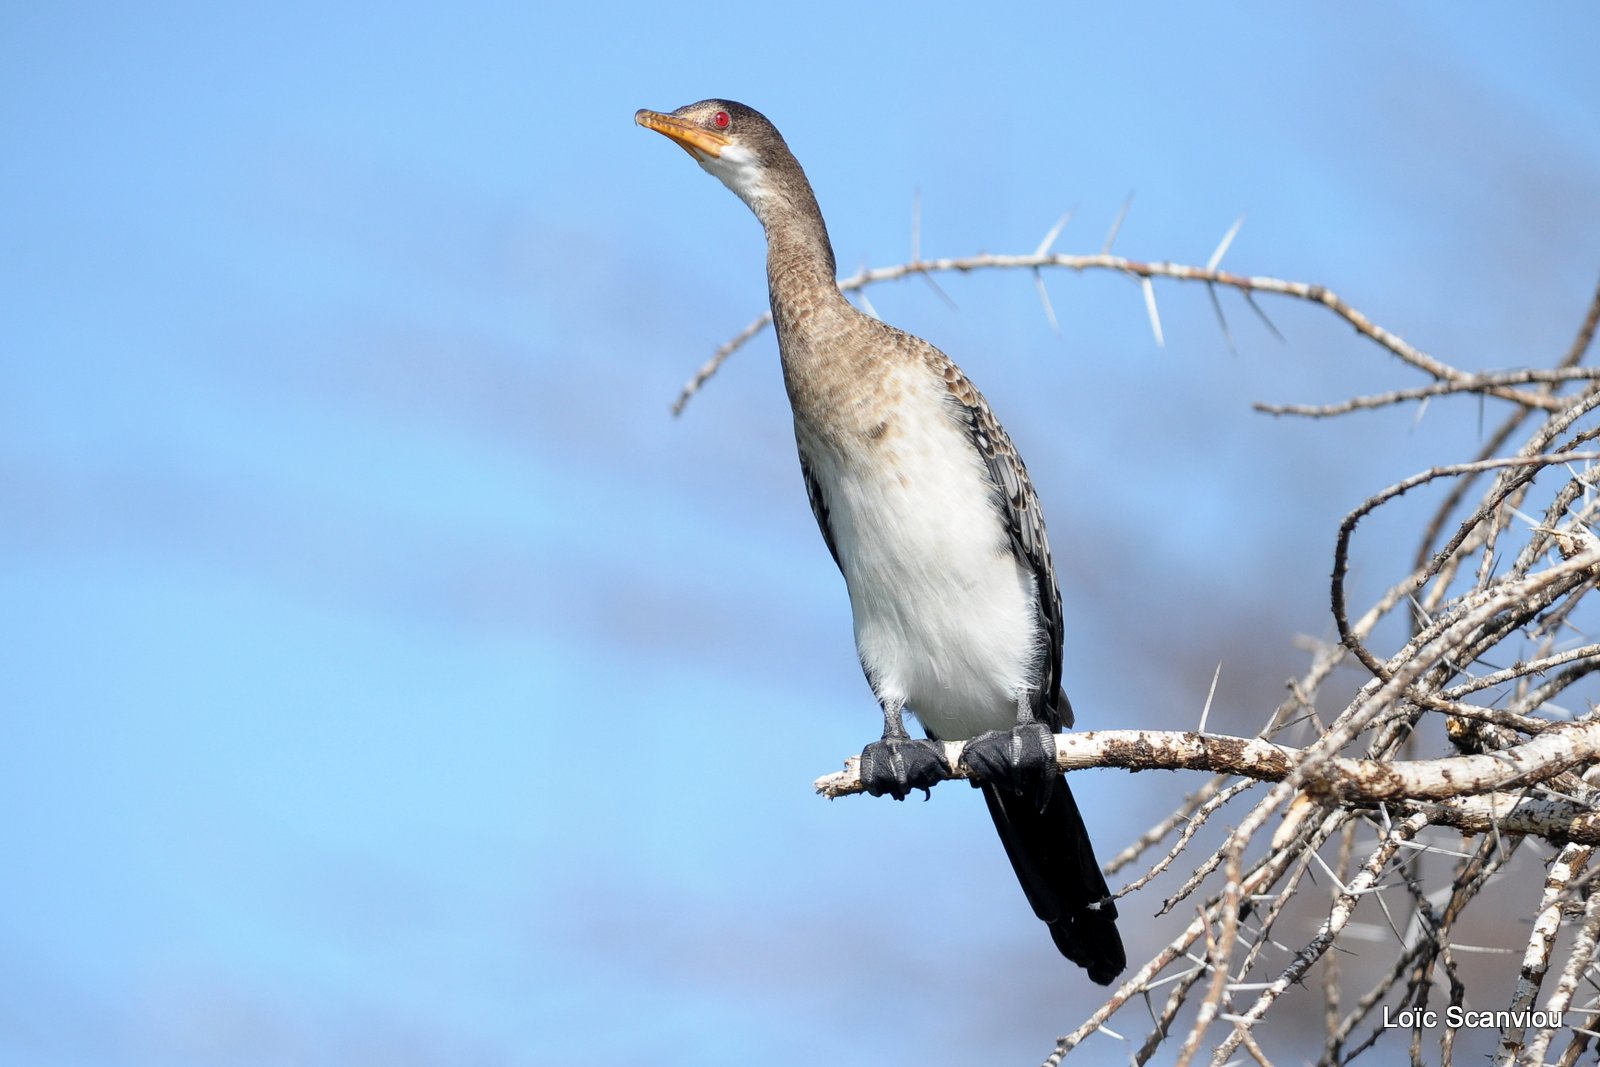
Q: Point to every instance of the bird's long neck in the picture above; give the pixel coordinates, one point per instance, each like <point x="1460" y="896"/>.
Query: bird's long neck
<point x="812" y="318"/>
<point x="800" y="265"/>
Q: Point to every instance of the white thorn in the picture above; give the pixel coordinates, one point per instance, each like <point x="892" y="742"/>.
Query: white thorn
<point x="1050" y="238"/>
<point x="1116" y="226"/>
<point x="1150" y="306"/>
<point x="866" y="305"/>
<point x="1205" y="712"/>
<point x="1222" y="320"/>
<point x="1329" y="871"/>
<point x="1422" y="409"/>
<point x="1533" y="523"/>
<point x="1044" y="296"/>
<point x="1222" y="247"/>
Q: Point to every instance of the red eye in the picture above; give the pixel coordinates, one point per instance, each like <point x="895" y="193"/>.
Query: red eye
<point x="721" y="119"/>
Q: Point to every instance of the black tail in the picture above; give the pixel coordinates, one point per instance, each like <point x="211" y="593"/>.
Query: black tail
<point x="1055" y="863"/>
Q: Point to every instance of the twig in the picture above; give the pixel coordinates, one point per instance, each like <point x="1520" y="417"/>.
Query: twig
<point x="1474" y="383"/>
<point x="1246" y="284"/>
<point x="1342" y="780"/>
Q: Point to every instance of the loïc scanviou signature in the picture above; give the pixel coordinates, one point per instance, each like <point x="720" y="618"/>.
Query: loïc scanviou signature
<point x="1457" y="1017"/>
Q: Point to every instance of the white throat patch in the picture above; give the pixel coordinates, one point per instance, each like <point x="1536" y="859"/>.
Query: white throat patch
<point x="740" y="170"/>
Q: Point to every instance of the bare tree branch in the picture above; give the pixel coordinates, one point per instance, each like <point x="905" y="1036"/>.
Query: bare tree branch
<point x="1141" y="271"/>
<point x="1487" y="630"/>
<point x="1475" y="383"/>
<point x="1348" y="781"/>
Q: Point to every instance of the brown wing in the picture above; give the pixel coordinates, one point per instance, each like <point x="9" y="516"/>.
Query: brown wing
<point x="1019" y="508"/>
<point x="819" y="508"/>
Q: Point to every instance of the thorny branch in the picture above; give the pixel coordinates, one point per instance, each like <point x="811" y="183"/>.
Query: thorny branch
<point x="1485" y="634"/>
<point x="1350" y="781"/>
<point x="1446" y="375"/>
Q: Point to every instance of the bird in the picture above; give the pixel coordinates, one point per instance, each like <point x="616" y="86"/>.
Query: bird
<point x="928" y="511"/>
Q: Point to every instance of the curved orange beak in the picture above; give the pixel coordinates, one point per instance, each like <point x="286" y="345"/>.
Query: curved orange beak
<point x="700" y="144"/>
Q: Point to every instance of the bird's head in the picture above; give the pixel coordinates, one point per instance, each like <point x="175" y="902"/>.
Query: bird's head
<point x="734" y="142"/>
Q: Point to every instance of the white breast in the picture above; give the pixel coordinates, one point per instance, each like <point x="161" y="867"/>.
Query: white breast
<point x="945" y="616"/>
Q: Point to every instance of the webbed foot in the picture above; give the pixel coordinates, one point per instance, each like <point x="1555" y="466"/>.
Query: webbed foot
<point x="897" y="765"/>
<point x="1021" y="760"/>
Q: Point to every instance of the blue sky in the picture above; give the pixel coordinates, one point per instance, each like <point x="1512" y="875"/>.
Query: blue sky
<point x="389" y="678"/>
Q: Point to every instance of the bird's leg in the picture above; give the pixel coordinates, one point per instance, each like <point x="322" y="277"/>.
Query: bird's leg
<point x="1021" y="759"/>
<point x="897" y="764"/>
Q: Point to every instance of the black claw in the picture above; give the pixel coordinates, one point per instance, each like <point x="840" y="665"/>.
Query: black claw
<point x="897" y="765"/>
<point x="1022" y="760"/>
